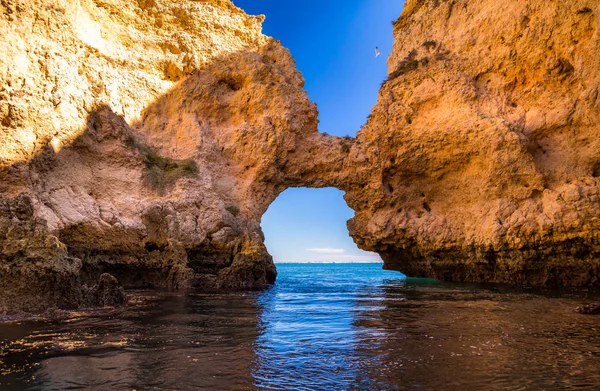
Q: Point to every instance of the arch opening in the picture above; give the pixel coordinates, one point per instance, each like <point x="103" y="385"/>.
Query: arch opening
<point x="308" y="225"/>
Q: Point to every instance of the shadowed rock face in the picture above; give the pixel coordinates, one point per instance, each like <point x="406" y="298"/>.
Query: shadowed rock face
<point x="144" y="140"/>
<point x="36" y="270"/>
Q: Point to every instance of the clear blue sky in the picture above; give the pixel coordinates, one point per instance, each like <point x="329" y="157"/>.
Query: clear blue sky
<point x="333" y="42"/>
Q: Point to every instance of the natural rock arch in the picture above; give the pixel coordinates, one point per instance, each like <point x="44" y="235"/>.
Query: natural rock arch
<point x="478" y="162"/>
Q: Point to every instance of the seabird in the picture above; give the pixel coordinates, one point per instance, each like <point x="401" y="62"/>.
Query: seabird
<point x="377" y="51"/>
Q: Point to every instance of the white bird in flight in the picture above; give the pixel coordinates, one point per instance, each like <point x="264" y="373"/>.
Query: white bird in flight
<point x="377" y="51"/>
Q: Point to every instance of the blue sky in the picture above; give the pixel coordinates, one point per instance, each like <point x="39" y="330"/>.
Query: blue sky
<point x="333" y="43"/>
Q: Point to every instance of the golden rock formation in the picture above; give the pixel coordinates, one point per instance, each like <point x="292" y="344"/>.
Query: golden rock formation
<point x="148" y="138"/>
<point x="145" y="139"/>
<point x="484" y="144"/>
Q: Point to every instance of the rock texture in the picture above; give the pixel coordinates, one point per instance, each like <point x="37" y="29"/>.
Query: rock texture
<point x="142" y="141"/>
<point x="589" y="309"/>
<point x="483" y="145"/>
<point x="147" y="138"/>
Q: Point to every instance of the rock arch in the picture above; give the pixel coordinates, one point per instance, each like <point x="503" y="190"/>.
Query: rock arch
<point x="478" y="162"/>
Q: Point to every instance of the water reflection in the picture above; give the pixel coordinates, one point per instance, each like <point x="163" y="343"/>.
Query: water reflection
<point x="308" y="338"/>
<point x="453" y="336"/>
<point x="160" y="342"/>
<point x="321" y="327"/>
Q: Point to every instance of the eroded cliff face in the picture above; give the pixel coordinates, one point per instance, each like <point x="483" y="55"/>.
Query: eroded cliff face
<point x="143" y="141"/>
<point x="146" y="139"/>
<point x="484" y="144"/>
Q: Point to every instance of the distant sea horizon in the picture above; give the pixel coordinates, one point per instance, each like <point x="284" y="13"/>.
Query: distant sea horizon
<point x="328" y="261"/>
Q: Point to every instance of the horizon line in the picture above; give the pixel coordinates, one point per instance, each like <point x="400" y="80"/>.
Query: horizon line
<point x="279" y="262"/>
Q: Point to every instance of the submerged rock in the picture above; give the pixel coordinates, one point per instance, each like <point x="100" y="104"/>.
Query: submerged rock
<point x="107" y="293"/>
<point x="589" y="309"/>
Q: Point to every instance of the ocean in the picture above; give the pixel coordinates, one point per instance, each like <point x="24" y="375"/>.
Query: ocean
<point x="320" y="327"/>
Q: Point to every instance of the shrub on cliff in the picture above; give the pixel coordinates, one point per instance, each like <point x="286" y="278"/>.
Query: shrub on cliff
<point x="161" y="172"/>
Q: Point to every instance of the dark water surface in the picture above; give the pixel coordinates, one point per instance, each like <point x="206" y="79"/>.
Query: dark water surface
<point x="321" y="327"/>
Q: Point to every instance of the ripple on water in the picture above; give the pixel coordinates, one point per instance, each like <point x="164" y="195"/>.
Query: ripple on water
<point x="320" y="327"/>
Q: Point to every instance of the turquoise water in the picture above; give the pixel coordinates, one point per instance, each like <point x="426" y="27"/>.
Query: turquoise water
<point x="321" y="327"/>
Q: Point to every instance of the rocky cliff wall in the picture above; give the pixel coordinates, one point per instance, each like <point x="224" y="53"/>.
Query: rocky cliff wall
<point x="145" y="139"/>
<point x="484" y="144"/>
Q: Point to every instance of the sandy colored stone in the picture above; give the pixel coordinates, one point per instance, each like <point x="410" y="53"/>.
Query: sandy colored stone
<point x="76" y="79"/>
<point x="484" y="144"/>
<point x="149" y="137"/>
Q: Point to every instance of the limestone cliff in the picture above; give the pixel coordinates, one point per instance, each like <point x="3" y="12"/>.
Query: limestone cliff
<point x="146" y="139"/>
<point x="143" y="141"/>
<point x="484" y="144"/>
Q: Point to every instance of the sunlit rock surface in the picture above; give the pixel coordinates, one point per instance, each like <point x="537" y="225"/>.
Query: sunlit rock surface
<point x="147" y="138"/>
<point x="143" y="140"/>
<point x="484" y="144"/>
